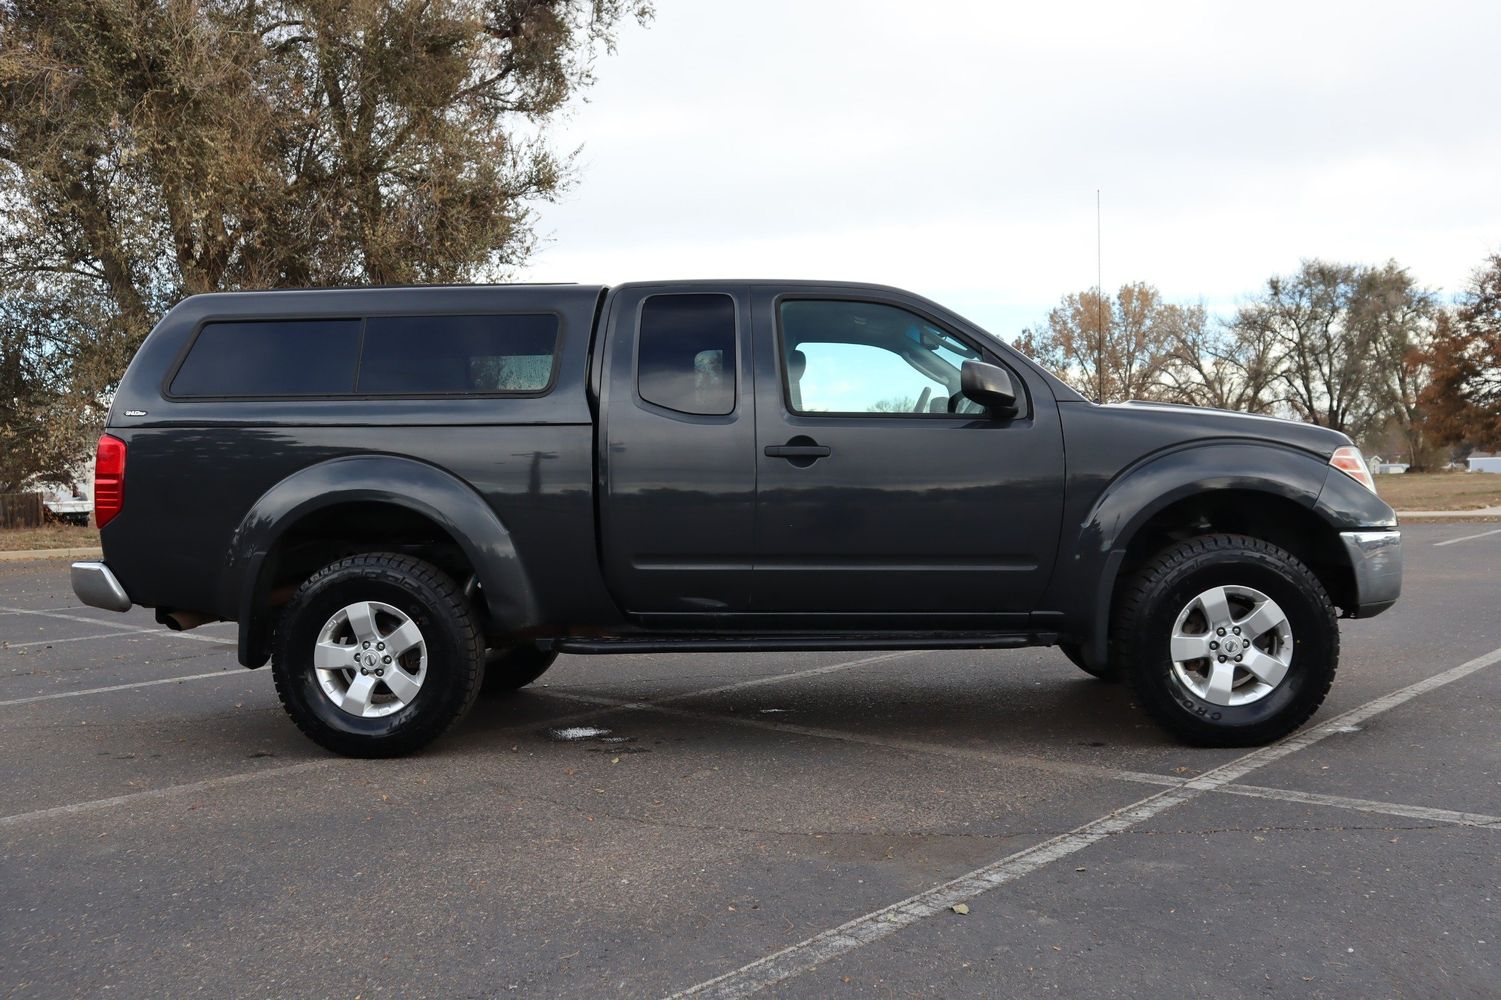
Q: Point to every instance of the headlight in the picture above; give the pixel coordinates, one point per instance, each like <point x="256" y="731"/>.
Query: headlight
<point x="1349" y="461"/>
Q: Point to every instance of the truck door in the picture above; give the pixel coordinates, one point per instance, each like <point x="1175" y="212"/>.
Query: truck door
<point x="677" y="465"/>
<point x="882" y="491"/>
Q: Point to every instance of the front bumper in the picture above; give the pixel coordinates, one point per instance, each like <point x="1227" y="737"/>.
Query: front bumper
<point x="1376" y="558"/>
<point x="97" y="587"/>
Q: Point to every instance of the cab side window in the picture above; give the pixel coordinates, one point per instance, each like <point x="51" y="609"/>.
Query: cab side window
<point x="686" y="353"/>
<point x="847" y="357"/>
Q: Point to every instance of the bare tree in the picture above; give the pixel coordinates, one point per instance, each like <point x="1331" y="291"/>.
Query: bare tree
<point x="1215" y="364"/>
<point x="1322" y="355"/>
<point x="1396" y="318"/>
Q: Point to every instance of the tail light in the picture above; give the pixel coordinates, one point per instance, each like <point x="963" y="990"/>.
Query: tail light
<point x="109" y="479"/>
<point x="1349" y="461"/>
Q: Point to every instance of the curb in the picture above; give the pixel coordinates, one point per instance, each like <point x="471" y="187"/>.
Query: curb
<point x="26" y="555"/>
<point x="1480" y="513"/>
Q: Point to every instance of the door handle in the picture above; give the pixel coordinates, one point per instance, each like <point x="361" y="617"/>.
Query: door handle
<point x="802" y="451"/>
<point x="798" y="451"/>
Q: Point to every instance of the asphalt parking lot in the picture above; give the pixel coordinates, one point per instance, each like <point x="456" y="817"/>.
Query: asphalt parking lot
<point x="798" y="825"/>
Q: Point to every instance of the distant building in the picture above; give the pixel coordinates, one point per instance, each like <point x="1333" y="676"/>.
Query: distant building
<point x="1485" y="461"/>
<point x="1381" y="467"/>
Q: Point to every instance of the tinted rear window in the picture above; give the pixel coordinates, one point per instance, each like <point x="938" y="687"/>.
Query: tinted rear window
<point x="686" y="353"/>
<point x="402" y="355"/>
<point x="281" y="358"/>
<point x="439" y="355"/>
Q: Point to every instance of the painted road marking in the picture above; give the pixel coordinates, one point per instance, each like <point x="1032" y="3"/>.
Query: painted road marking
<point x="127" y="628"/>
<point x="37" y="611"/>
<point x="158" y="793"/>
<point x="975" y="754"/>
<point x="1424" y="813"/>
<point x="1467" y="538"/>
<point x="994" y="757"/>
<point x="165" y="633"/>
<point x="662" y="705"/>
<point x="165" y="793"/>
<point x="121" y="687"/>
<point x="863" y="930"/>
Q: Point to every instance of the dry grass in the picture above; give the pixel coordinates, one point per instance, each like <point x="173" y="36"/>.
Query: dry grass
<point x="1441" y="490"/>
<point x="53" y="536"/>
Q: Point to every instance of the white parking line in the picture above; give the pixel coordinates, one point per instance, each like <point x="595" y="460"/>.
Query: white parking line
<point x="777" y="678"/>
<point x="1467" y="538"/>
<point x="871" y="927"/>
<point x="127" y="628"/>
<point x="163" y="793"/>
<point x="121" y="687"/>
<point x="1075" y="768"/>
<point x="166" y="633"/>
<point x="1366" y="805"/>
<point x="156" y="793"/>
<point x="35" y="611"/>
<point x="976" y="754"/>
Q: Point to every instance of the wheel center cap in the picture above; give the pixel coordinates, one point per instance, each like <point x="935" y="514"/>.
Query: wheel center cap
<point x="371" y="659"/>
<point x="1232" y="646"/>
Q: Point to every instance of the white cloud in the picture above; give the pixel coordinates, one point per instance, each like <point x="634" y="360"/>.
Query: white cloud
<point x="955" y="148"/>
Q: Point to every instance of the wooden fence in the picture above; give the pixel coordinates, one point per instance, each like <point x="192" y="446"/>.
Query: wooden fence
<point x="21" y="510"/>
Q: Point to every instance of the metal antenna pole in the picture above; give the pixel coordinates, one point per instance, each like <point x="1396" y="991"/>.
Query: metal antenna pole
<point x="1099" y="287"/>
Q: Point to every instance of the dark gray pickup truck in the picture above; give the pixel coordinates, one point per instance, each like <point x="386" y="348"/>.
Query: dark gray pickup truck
<point x="404" y="495"/>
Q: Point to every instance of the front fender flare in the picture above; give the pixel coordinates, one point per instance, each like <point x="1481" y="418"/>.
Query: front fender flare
<point x="1085" y="583"/>
<point x="424" y="489"/>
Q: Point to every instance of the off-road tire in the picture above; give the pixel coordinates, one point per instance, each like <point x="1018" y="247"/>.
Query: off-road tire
<point x="510" y="668"/>
<point x="1148" y="606"/>
<point x="454" y="646"/>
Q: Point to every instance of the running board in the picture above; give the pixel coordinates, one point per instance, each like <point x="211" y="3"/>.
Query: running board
<point x="800" y="642"/>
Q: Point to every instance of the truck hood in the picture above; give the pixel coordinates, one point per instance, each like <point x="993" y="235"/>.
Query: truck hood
<point x="1201" y="421"/>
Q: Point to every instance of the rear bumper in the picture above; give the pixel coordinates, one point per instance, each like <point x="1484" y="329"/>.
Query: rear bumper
<point x="1376" y="558"/>
<point x="97" y="587"/>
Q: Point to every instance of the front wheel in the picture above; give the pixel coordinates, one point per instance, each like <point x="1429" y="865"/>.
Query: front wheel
<point x="1227" y="640"/>
<point x="377" y="655"/>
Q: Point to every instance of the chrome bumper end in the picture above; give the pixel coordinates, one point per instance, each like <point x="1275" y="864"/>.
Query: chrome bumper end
<point x="97" y="587"/>
<point x="1376" y="558"/>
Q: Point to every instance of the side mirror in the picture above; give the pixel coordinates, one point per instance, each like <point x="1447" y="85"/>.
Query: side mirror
<point x="989" y="386"/>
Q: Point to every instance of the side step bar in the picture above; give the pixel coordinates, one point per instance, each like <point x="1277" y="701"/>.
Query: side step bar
<point x="800" y="642"/>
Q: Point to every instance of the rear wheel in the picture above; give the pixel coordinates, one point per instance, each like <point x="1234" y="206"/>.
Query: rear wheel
<point x="1227" y="640"/>
<point x="377" y="655"/>
<point x="509" y="668"/>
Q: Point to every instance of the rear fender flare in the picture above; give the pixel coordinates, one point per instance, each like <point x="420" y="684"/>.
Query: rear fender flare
<point x="403" y="482"/>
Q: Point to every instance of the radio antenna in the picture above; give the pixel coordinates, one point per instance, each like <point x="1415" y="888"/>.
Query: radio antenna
<point x="1099" y="287"/>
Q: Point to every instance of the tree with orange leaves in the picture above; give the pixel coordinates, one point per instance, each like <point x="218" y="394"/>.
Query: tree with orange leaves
<point x="1463" y="400"/>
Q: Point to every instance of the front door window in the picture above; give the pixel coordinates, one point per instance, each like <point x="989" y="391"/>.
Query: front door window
<point x="845" y="357"/>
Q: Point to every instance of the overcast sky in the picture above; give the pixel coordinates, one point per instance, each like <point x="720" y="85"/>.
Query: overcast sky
<point x="955" y="148"/>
